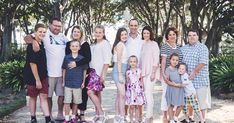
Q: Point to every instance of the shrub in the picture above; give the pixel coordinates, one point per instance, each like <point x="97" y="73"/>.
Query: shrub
<point x="18" y="53"/>
<point x="222" y="73"/>
<point x="11" y="75"/>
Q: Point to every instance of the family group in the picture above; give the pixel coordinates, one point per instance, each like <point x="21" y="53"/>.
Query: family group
<point x="75" y="71"/>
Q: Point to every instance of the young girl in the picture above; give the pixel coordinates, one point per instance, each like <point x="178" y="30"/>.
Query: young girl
<point x="35" y="74"/>
<point x="135" y="93"/>
<point x="100" y="60"/>
<point x="175" y="92"/>
<point x="119" y="70"/>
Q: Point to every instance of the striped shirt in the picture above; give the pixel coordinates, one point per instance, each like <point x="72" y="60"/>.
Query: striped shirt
<point x="167" y="50"/>
<point x="193" y="55"/>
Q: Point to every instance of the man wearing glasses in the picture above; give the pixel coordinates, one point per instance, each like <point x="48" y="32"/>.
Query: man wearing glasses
<point x="54" y="43"/>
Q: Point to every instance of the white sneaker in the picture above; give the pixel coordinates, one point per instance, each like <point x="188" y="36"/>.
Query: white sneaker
<point x="121" y="120"/>
<point x="95" y="119"/>
<point x="116" y="119"/>
<point x="102" y="118"/>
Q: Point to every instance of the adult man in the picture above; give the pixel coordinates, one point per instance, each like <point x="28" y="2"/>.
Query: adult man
<point x="134" y="42"/>
<point x="196" y="56"/>
<point x="133" y="46"/>
<point x="54" y="43"/>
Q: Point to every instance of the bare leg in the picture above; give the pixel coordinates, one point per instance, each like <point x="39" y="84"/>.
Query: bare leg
<point x="32" y="105"/>
<point x="67" y="108"/>
<point x="44" y="104"/>
<point x="60" y="105"/>
<point x="50" y="104"/>
<point x="74" y="108"/>
<point x="177" y="111"/>
<point x="170" y="112"/>
<point x="165" y="120"/>
<point x="131" y="112"/>
<point x="137" y="113"/>
<point x="121" y="102"/>
<point x="140" y="109"/>
<point x="96" y="101"/>
<point x="117" y="102"/>
<point x="126" y="110"/>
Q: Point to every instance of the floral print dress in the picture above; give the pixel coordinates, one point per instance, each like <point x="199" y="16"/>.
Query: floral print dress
<point x="135" y="90"/>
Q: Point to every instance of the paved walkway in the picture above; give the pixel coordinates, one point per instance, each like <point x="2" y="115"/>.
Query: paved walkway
<point x="222" y="111"/>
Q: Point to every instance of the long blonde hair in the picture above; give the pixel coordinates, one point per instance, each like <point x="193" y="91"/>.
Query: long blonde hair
<point x="100" y="27"/>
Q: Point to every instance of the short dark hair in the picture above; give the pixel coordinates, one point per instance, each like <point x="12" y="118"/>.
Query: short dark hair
<point x="193" y="30"/>
<point x="186" y="66"/>
<point x="132" y="20"/>
<point x="39" y="25"/>
<point x="150" y="30"/>
<point x="53" y="19"/>
<point x="174" y="54"/>
<point x="168" y="31"/>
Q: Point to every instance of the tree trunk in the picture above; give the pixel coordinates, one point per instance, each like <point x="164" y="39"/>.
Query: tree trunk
<point x="213" y="40"/>
<point x="6" y="44"/>
<point x="194" y="14"/>
<point x="56" y="9"/>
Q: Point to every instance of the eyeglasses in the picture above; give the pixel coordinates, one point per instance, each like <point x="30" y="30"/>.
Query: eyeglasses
<point x="57" y="42"/>
<point x="57" y="25"/>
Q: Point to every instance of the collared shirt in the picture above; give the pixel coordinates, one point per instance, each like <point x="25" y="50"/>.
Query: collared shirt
<point x="167" y="50"/>
<point x="189" y="88"/>
<point x="134" y="46"/>
<point x="193" y="55"/>
<point x="74" y="76"/>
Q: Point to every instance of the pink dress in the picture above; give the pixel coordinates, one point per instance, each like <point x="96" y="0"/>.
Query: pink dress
<point x="135" y="91"/>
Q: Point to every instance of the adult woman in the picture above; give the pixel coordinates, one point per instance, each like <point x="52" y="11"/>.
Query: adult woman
<point x="35" y="75"/>
<point x="167" y="49"/>
<point x="118" y="74"/>
<point x="77" y="34"/>
<point x="150" y="66"/>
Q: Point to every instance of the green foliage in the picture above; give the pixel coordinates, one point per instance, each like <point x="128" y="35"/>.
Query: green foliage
<point x="11" y="75"/>
<point x="18" y="54"/>
<point x="221" y="73"/>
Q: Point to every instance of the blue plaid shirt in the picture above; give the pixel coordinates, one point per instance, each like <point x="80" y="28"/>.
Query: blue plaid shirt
<point x="193" y="55"/>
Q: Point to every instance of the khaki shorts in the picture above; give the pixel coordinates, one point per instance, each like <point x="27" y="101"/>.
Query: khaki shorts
<point x="72" y="94"/>
<point x="55" y="85"/>
<point x="204" y="97"/>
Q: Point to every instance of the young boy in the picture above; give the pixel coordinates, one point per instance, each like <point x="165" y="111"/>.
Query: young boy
<point x="73" y="81"/>
<point x="190" y="98"/>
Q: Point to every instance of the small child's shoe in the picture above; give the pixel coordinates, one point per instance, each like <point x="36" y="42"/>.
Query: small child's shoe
<point x="74" y="120"/>
<point x="65" y="121"/>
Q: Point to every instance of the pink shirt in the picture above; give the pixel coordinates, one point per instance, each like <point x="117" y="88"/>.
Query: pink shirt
<point x="149" y="58"/>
